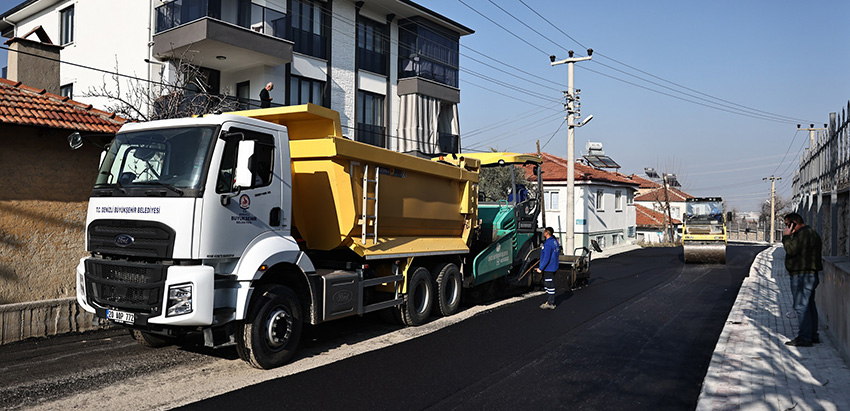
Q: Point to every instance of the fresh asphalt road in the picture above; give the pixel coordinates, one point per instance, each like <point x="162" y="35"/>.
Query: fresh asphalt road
<point x="640" y="336"/>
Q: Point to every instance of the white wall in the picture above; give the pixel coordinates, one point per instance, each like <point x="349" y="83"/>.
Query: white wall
<point x="343" y="49"/>
<point x="589" y="222"/>
<point x="102" y="39"/>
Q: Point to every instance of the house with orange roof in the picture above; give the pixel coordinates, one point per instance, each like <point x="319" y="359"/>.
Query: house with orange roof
<point x="604" y="208"/>
<point x="656" y="199"/>
<point x="46" y="187"/>
<point x="650" y="224"/>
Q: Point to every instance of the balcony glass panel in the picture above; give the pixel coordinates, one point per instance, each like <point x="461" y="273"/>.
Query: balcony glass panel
<point x="428" y="53"/>
<point x="248" y="15"/>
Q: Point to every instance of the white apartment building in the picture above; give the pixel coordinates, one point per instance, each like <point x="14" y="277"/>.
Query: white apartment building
<point x="389" y="67"/>
<point x="604" y="207"/>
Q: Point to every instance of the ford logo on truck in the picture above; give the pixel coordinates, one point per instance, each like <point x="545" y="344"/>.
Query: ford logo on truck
<point x="124" y="240"/>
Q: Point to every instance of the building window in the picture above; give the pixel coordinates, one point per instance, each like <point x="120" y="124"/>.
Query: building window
<point x="67" y="90"/>
<point x="66" y="26"/>
<point x="551" y="198"/>
<point x="243" y="95"/>
<point x="618" y="201"/>
<point x="630" y="199"/>
<point x="370" y="119"/>
<point x="601" y="241"/>
<point x="428" y="52"/>
<point x="599" y="196"/>
<point x="308" y="27"/>
<point x="303" y="90"/>
<point x="372" y="46"/>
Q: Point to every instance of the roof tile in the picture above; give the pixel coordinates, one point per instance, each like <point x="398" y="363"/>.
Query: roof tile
<point x="555" y="169"/>
<point x="21" y="104"/>
<point x="647" y="217"/>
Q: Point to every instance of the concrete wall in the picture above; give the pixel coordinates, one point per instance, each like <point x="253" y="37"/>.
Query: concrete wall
<point x="43" y="319"/>
<point x="42" y="212"/>
<point x="833" y="301"/>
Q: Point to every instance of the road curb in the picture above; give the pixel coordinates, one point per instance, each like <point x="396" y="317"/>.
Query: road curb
<point x="43" y="319"/>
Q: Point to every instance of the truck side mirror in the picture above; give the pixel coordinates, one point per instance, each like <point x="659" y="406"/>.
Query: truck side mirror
<point x="244" y="177"/>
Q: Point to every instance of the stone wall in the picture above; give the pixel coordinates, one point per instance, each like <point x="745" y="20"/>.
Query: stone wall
<point x="833" y="301"/>
<point x="43" y="205"/>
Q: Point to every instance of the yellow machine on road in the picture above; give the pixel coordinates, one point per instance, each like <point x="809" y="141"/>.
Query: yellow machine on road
<point x="704" y="231"/>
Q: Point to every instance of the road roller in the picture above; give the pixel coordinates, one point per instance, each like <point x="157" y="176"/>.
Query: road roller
<point x="704" y="231"/>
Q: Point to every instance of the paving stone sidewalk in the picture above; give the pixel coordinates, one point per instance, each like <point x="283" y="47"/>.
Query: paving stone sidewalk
<point x="753" y="369"/>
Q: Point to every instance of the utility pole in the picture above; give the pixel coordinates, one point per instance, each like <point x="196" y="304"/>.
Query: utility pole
<point x="812" y="133"/>
<point x="541" y="195"/>
<point x="667" y="214"/>
<point x="573" y="112"/>
<point x="772" y="206"/>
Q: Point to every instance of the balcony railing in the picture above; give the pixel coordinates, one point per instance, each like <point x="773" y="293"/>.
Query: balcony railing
<point x="449" y="143"/>
<point x="371" y="134"/>
<point x="373" y="61"/>
<point x="257" y="18"/>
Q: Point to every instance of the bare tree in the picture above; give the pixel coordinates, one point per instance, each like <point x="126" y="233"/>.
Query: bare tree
<point x="184" y="95"/>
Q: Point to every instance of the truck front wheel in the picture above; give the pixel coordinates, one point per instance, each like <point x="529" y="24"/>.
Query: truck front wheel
<point x="268" y="338"/>
<point x="418" y="301"/>
<point x="151" y="340"/>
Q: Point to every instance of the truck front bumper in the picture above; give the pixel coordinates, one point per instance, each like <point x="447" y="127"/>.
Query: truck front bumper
<point x="147" y="291"/>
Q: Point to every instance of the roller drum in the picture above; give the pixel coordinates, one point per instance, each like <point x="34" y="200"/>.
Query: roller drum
<point x="705" y="253"/>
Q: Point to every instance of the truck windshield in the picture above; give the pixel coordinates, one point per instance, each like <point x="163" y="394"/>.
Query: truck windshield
<point x="172" y="159"/>
<point x="704" y="210"/>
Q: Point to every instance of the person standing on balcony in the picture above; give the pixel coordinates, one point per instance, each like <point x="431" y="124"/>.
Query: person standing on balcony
<point x="265" y="98"/>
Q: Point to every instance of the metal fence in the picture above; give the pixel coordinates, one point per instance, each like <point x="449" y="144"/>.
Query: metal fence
<point x="753" y="231"/>
<point x="820" y="185"/>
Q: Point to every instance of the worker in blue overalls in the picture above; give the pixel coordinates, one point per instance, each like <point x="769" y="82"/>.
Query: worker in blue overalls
<point x="549" y="266"/>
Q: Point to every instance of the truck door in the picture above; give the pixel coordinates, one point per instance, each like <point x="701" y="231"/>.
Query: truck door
<point x="237" y="215"/>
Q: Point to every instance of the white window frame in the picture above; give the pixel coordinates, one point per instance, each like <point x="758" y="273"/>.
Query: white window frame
<point x="600" y="197"/>
<point x="618" y="200"/>
<point x="66" y="25"/>
<point x="549" y="196"/>
<point x="67" y="90"/>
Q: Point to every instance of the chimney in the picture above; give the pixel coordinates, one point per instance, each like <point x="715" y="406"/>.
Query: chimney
<point x="34" y="63"/>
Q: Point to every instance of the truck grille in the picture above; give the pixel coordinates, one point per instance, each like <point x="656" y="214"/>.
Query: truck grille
<point x="132" y="286"/>
<point x="145" y="238"/>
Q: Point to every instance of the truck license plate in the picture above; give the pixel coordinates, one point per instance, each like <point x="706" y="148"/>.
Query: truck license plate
<point x="121" y="316"/>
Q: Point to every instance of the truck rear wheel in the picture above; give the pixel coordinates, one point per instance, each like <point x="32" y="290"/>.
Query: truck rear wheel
<point x="268" y="338"/>
<point x="418" y="301"/>
<point x="448" y="289"/>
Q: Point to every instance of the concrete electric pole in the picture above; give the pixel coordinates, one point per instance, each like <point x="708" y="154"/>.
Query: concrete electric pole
<point x="772" y="206"/>
<point x="812" y="133"/>
<point x="573" y="112"/>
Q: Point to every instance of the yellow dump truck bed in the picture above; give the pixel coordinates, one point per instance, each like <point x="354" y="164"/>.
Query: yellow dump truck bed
<point x="423" y="207"/>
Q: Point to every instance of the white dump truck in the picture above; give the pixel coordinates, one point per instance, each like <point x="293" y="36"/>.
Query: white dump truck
<point x="245" y="225"/>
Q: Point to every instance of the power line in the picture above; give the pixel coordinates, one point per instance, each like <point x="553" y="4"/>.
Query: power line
<point x="647" y="73"/>
<point x="791" y="144"/>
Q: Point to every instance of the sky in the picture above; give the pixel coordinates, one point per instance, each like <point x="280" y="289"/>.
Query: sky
<point x="750" y="72"/>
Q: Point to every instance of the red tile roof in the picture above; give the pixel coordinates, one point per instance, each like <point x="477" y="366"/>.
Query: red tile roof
<point x="644" y="183"/>
<point x="673" y="195"/>
<point x="647" y="217"/>
<point x="555" y="169"/>
<point x="28" y="106"/>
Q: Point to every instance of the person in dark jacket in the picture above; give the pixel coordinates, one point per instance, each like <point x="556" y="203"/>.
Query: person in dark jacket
<point x="265" y="98"/>
<point x="803" y="248"/>
<point x="549" y="266"/>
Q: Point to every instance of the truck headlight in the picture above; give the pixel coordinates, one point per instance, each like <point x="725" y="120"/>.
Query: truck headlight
<point x="179" y="300"/>
<point x="82" y="285"/>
